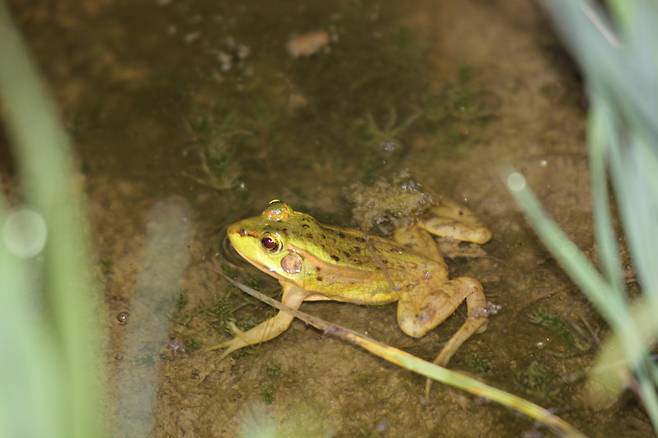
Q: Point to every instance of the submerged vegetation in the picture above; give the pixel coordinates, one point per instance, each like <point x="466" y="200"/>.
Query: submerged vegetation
<point x="566" y="333"/>
<point x="359" y="117"/>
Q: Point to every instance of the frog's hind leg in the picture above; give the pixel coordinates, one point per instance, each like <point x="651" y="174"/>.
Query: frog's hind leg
<point x="450" y="219"/>
<point x="476" y="319"/>
<point x="417" y="316"/>
<point x="419" y="241"/>
<point x="418" y="313"/>
<point x="266" y="330"/>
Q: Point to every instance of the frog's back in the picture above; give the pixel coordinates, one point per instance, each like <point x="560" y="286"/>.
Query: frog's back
<point x="344" y="264"/>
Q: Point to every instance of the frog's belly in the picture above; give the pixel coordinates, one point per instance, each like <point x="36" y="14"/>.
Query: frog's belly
<point x="358" y="298"/>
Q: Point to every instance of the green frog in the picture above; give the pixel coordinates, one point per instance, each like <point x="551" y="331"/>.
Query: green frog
<point x="317" y="262"/>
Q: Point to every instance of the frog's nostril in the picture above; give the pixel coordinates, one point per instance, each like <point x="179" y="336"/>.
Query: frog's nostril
<point x="242" y="232"/>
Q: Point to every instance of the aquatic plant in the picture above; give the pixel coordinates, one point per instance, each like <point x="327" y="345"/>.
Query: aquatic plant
<point x="618" y="57"/>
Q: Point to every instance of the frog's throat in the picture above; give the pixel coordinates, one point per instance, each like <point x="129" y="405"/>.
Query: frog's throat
<point x="260" y="266"/>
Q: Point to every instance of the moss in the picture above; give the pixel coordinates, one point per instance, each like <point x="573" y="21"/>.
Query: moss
<point x="182" y="299"/>
<point x="273" y="370"/>
<point x="536" y="380"/>
<point x="556" y="324"/>
<point x="192" y="345"/>
<point x="220" y="312"/>
<point x="479" y="364"/>
<point x="267" y="394"/>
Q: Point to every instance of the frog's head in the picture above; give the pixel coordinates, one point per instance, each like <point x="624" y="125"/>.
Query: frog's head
<point x="264" y="240"/>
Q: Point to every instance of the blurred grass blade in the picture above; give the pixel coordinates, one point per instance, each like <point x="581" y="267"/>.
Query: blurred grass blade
<point x="635" y="172"/>
<point x="610" y="374"/>
<point x="619" y="58"/>
<point x="607" y="302"/>
<point x="606" y="240"/>
<point x="572" y="260"/>
<point x="26" y="385"/>
<point x="597" y="49"/>
<point x="43" y="152"/>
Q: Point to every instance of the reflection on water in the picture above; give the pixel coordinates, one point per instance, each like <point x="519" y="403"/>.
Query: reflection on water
<point x="168" y="234"/>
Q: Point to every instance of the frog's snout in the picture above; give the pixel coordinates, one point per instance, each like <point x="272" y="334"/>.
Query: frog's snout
<point x="232" y="230"/>
<point x="236" y="229"/>
<point x="235" y="232"/>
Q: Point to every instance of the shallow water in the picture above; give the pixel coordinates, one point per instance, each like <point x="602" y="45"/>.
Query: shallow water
<point x="453" y="91"/>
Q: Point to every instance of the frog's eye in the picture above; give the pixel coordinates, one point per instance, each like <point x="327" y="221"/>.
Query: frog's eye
<point x="270" y="243"/>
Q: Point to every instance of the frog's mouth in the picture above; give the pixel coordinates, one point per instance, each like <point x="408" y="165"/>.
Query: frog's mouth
<point x="230" y="255"/>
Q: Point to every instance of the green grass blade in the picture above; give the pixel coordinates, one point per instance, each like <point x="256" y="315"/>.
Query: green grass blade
<point x="43" y="152"/>
<point x="29" y="389"/>
<point x="605" y="59"/>
<point x="606" y="239"/>
<point x="572" y="260"/>
<point x="604" y="298"/>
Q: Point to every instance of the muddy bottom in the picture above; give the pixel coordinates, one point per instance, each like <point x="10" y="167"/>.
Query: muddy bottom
<point x="190" y="115"/>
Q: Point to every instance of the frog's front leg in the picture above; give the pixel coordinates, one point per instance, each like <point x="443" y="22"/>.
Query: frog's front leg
<point x="292" y="297"/>
<point x="450" y="219"/>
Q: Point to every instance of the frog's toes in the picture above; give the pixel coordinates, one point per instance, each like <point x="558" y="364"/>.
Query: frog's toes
<point x="219" y="346"/>
<point x="229" y="347"/>
<point x="236" y="343"/>
<point x="234" y="329"/>
<point x="232" y="344"/>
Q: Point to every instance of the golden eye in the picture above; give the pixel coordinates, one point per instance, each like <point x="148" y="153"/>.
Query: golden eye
<point x="270" y="243"/>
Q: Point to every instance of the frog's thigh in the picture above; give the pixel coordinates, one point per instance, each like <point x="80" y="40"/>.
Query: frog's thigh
<point x="450" y="219"/>
<point x="266" y="330"/>
<point x="419" y="314"/>
<point x="418" y="240"/>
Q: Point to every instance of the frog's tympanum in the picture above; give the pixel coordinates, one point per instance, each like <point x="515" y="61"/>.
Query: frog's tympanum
<point x="314" y="262"/>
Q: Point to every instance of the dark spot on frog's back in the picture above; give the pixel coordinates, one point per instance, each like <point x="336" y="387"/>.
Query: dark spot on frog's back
<point x="356" y="249"/>
<point x="341" y="234"/>
<point x="306" y="226"/>
<point x="335" y="258"/>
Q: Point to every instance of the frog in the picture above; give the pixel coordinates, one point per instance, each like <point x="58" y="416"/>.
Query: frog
<point x="313" y="261"/>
